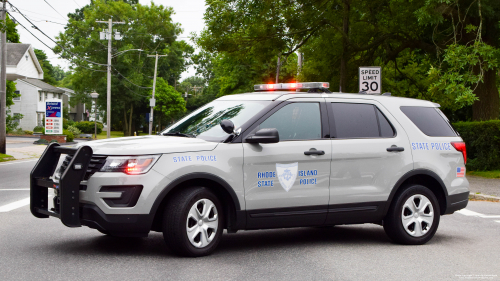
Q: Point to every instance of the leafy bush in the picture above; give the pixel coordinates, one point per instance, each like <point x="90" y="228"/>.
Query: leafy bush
<point x="38" y="129"/>
<point x="483" y="144"/>
<point x="87" y="127"/>
<point x="69" y="135"/>
<point x="67" y="123"/>
<point x="74" y="130"/>
<point x="26" y="132"/>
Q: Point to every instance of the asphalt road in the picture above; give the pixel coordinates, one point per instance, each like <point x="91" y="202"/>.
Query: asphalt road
<point x="465" y="247"/>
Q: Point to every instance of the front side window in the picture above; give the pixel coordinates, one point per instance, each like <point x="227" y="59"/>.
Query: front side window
<point x="205" y="122"/>
<point x="296" y="121"/>
<point x="359" y="120"/>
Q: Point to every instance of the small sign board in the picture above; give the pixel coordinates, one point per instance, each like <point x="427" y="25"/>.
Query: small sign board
<point x="370" y="79"/>
<point x="53" y="117"/>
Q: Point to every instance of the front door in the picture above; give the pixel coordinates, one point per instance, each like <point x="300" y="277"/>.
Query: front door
<point x="287" y="183"/>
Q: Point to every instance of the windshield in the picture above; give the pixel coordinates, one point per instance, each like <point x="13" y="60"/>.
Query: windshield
<point x="205" y="122"/>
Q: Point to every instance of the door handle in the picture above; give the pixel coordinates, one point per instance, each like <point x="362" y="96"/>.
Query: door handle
<point x="395" y="148"/>
<point x="314" y="152"/>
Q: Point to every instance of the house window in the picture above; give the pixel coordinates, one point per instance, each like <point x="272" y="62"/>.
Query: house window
<point x="59" y="96"/>
<point x="17" y="118"/>
<point x="41" y="96"/>
<point x="17" y="98"/>
<point x="45" y="95"/>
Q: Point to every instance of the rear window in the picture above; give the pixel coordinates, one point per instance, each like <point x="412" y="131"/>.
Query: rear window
<point x="429" y="121"/>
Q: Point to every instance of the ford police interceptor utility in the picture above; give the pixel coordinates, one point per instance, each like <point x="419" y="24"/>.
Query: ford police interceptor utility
<point x="274" y="158"/>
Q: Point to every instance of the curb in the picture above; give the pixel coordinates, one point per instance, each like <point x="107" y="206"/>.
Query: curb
<point x="484" y="197"/>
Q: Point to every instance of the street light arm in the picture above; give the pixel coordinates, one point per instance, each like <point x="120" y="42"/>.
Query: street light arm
<point x="121" y="52"/>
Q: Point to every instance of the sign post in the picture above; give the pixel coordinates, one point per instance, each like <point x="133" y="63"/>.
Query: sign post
<point x="370" y="80"/>
<point x="53" y="117"/>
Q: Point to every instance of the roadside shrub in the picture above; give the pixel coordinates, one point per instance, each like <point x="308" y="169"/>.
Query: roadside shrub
<point x="69" y="135"/>
<point x="87" y="127"/>
<point x="67" y="123"/>
<point x="42" y="141"/>
<point x="26" y="132"/>
<point x="483" y="144"/>
<point x="76" y="132"/>
<point x="38" y="129"/>
<point x="52" y="141"/>
<point x="18" y="131"/>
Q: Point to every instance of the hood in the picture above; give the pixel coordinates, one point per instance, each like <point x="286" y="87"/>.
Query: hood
<point x="148" y="145"/>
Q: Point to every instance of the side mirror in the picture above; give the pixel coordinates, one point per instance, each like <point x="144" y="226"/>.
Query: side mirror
<point x="270" y="135"/>
<point x="227" y="126"/>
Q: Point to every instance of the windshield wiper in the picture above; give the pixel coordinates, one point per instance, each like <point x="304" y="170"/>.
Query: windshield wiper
<point x="178" y="134"/>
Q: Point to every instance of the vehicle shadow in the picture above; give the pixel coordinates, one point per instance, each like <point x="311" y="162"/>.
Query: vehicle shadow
<point x="263" y="240"/>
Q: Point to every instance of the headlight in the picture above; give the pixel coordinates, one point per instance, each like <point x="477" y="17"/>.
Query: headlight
<point x="132" y="165"/>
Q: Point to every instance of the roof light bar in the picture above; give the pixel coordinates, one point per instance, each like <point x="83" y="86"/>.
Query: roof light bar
<point x="291" y="86"/>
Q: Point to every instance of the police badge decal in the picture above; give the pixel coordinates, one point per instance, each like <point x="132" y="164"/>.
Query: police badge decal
<point x="287" y="173"/>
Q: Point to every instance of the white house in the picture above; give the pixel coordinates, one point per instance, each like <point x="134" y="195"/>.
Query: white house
<point x="77" y="112"/>
<point x="31" y="103"/>
<point x="22" y="62"/>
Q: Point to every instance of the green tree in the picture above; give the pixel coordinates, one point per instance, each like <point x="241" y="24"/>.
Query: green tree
<point x="412" y="40"/>
<point x="169" y="103"/>
<point x="149" y="28"/>
<point x="47" y="67"/>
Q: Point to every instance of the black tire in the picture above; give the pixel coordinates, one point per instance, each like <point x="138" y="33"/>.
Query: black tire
<point x="393" y="224"/>
<point x="175" y="220"/>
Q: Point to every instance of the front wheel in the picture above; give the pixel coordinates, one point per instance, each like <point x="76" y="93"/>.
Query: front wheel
<point x="193" y="222"/>
<point x="413" y="217"/>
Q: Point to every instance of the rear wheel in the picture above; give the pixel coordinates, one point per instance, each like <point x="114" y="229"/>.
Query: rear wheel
<point x="193" y="222"/>
<point x="413" y="217"/>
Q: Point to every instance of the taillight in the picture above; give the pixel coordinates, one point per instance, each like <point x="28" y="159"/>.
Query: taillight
<point x="460" y="146"/>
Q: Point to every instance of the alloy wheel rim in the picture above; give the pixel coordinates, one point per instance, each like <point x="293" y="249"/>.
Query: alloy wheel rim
<point x="417" y="215"/>
<point x="202" y="223"/>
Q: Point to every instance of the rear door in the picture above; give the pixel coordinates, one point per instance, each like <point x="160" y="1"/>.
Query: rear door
<point x="370" y="152"/>
<point x="283" y="185"/>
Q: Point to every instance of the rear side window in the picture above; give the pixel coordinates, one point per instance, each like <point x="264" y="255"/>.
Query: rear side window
<point x="429" y="121"/>
<point x="358" y="120"/>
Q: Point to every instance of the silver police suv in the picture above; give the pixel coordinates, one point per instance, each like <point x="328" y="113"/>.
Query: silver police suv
<point x="275" y="158"/>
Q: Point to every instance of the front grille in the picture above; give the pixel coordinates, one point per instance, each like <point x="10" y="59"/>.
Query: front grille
<point x="96" y="163"/>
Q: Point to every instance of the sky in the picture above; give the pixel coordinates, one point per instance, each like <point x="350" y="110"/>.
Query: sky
<point x="50" y="17"/>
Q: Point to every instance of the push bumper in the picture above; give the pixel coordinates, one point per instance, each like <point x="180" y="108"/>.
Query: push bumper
<point x="68" y="187"/>
<point x="456" y="202"/>
<point x="67" y="206"/>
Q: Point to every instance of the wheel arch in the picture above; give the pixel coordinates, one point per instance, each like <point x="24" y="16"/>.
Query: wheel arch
<point x="423" y="177"/>
<point x="217" y="185"/>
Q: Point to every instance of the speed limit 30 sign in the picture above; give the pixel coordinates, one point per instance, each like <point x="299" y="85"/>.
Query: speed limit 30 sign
<point x="370" y="79"/>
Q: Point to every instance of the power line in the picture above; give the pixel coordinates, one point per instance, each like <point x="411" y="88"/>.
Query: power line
<point x="18" y="11"/>
<point x="29" y="31"/>
<point x="64" y="49"/>
<point x="142" y="87"/>
<point x="77" y="4"/>
<point x="53" y="9"/>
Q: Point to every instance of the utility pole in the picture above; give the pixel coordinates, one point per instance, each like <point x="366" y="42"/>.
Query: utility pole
<point x="152" y="101"/>
<point x="109" y="36"/>
<point x="3" y="83"/>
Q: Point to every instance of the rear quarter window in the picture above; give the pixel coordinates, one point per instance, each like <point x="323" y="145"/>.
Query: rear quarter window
<point x="429" y="121"/>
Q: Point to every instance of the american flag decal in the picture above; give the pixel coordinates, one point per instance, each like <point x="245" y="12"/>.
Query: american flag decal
<point x="460" y="172"/>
